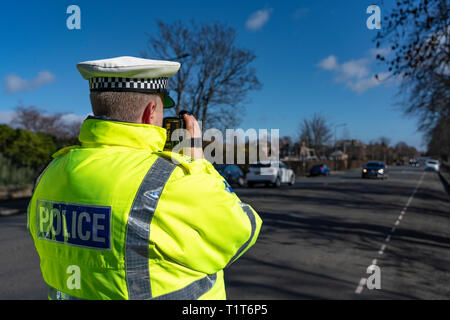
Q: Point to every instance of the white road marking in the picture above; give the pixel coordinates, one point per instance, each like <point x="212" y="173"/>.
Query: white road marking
<point x="363" y="281"/>
<point x="361" y="285"/>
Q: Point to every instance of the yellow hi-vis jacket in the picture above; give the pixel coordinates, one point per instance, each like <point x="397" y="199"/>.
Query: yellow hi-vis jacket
<point x="115" y="218"/>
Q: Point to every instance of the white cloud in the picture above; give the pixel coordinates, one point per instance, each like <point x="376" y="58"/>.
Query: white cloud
<point x="72" y="117"/>
<point x="364" y="84"/>
<point x="6" y="116"/>
<point x="354" y="69"/>
<point x="356" y="73"/>
<point x="15" y="83"/>
<point x="329" y="63"/>
<point x="44" y="77"/>
<point x="258" y="19"/>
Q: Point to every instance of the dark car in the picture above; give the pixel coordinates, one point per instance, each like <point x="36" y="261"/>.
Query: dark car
<point x="319" y="170"/>
<point x="232" y="173"/>
<point x="374" y="169"/>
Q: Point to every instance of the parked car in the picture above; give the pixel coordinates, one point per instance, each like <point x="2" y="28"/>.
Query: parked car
<point x="320" y="170"/>
<point x="232" y="173"/>
<point x="432" y="165"/>
<point x="375" y="169"/>
<point x="414" y="163"/>
<point x="270" y="173"/>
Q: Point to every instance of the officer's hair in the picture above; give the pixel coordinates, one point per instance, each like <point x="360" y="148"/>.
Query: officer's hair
<point x="124" y="106"/>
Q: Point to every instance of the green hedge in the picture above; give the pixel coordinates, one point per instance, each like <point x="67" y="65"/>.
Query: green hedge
<point x="11" y="174"/>
<point x="23" y="155"/>
<point x="25" y="148"/>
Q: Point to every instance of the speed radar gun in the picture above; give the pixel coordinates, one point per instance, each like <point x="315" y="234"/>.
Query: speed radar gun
<point x="172" y="124"/>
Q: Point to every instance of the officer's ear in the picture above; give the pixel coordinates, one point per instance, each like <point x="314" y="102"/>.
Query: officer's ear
<point x="149" y="113"/>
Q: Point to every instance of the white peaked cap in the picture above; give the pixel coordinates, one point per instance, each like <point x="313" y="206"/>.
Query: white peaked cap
<point x="130" y="74"/>
<point x="128" y="67"/>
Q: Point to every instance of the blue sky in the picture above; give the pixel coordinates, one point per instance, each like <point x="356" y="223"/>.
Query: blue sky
<point x="312" y="56"/>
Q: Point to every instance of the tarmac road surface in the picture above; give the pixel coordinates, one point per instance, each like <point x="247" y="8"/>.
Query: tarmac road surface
<point x="317" y="240"/>
<point x="320" y="236"/>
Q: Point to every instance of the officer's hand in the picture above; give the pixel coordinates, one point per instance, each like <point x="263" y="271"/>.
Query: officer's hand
<point x="194" y="131"/>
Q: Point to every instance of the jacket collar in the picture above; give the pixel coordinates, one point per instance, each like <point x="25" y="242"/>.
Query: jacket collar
<point x="98" y="131"/>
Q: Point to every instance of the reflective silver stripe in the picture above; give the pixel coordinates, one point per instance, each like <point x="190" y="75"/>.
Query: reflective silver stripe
<point x="251" y="217"/>
<point x="137" y="241"/>
<point x="192" y="291"/>
<point x="138" y="229"/>
<point x="54" y="294"/>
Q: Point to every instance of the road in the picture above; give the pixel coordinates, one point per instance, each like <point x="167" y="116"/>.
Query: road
<point x="317" y="240"/>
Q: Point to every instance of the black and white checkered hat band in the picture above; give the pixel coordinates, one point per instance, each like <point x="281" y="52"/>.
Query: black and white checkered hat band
<point x="125" y="84"/>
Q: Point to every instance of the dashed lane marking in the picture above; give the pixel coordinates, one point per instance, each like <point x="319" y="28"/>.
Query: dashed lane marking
<point x="363" y="281"/>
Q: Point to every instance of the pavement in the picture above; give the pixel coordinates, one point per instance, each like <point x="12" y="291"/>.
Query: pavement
<point x="317" y="241"/>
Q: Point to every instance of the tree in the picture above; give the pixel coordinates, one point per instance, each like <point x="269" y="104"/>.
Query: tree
<point x="316" y="132"/>
<point x="32" y="118"/>
<point x="25" y="148"/>
<point x="418" y="32"/>
<point x="439" y="140"/>
<point x="285" y="145"/>
<point x="217" y="76"/>
<point x="379" y="150"/>
<point x="384" y="145"/>
<point x="403" y="152"/>
<point x="306" y="134"/>
<point x="36" y="120"/>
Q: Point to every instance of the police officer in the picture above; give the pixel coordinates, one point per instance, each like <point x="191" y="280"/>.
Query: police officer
<point x="118" y="218"/>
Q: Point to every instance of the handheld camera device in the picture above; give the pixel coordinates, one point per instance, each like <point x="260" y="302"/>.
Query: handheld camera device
<point x="171" y="124"/>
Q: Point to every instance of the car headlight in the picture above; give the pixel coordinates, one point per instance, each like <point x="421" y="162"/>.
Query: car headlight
<point x="364" y="170"/>
<point x="380" y="171"/>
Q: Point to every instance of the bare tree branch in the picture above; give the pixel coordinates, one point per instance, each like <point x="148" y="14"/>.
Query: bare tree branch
<point x="36" y="120"/>
<point x="418" y="33"/>
<point x="215" y="80"/>
<point x="316" y="132"/>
